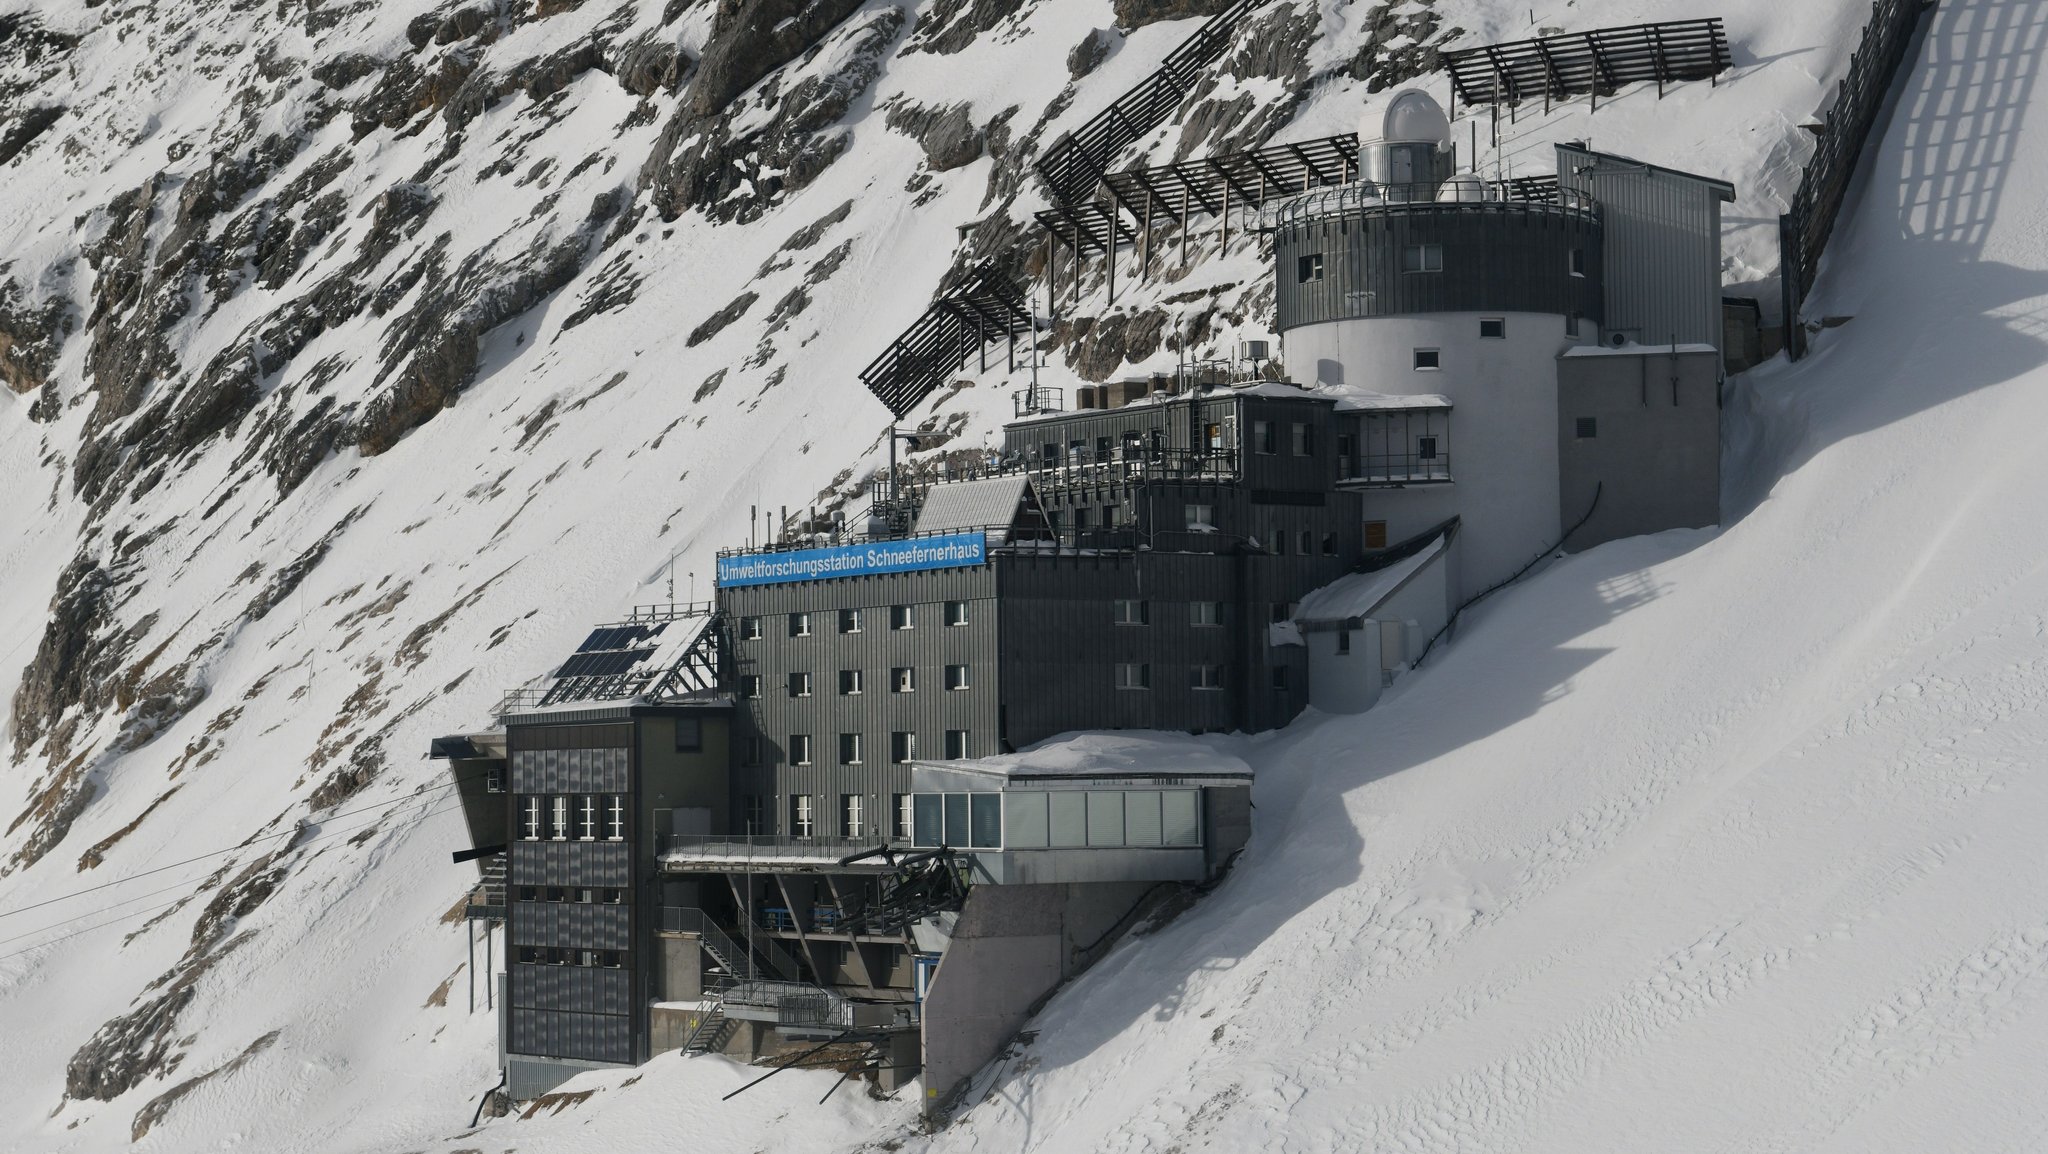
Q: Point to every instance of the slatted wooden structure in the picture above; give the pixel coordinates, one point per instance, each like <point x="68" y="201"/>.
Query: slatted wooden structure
<point x="1216" y="184"/>
<point x="984" y="307"/>
<point x="1591" y="64"/>
<point x="1077" y="161"/>
<point x="1804" y="228"/>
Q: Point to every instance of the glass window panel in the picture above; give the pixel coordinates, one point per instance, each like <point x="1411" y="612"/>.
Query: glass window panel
<point x="1024" y="820"/>
<point x="985" y="821"/>
<point x="925" y="819"/>
<point x="1067" y="814"/>
<point x="1141" y="817"/>
<point x="1180" y="817"/>
<point x="956" y="820"/>
<point x="1105" y="818"/>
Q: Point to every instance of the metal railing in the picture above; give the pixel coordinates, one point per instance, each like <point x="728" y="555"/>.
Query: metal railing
<point x="741" y="848"/>
<point x="792" y="1003"/>
<point x="1395" y="468"/>
<point x="737" y="959"/>
<point x="1459" y="193"/>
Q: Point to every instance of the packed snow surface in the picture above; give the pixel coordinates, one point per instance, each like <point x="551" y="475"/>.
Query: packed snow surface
<point x="1716" y="840"/>
<point x="1117" y="754"/>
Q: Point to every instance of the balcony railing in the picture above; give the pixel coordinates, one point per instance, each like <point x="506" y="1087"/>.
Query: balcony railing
<point x="1464" y="193"/>
<point x="1410" y="469"/>
<point x="743" y="848"/>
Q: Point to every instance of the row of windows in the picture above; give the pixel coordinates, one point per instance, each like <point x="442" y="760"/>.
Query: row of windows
<point x="853" y="747"/>
<point x="1301" y="439"/>
<point x="581" y="895"/>
<point x="806" y="818"/>
<point x="853" y="682"/>
<point x="556" y="956"/>
<point x="1311" y="267"/>
<point x="1138" y="675"/>
<point x="572" y="817"/>
<point x="855" y="620"/>
<point x="1064" y="819"/>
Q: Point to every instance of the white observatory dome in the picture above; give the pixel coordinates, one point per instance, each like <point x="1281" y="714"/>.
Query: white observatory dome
<point x="1414" y="117"/>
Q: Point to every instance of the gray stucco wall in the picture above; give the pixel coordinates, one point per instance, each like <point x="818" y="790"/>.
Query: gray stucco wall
<point x="1656" y="455"/>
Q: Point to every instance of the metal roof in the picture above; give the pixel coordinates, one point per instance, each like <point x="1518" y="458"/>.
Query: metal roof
<point x="990" y="503"/>
<point x="1357" y="595"/>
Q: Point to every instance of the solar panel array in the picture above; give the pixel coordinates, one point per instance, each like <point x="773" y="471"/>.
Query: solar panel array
<point x="611" y="663"/>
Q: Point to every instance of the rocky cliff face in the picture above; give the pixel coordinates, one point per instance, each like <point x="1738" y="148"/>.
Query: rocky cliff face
<point x="358" y="355"/>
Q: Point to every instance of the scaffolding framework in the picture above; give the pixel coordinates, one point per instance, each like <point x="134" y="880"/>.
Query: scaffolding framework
<point x="1592" y="64"/>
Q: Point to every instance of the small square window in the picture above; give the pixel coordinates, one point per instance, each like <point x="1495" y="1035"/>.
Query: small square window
<point x="1588" y="428"/>
<point x="1343" y="643"/>
<point x="1425" y="448"/>
<point x="799" y="749"/>
<point x="1201" y="518"/>
<point x="689" y="734"/>
<point x="1302" y="439"/>
<point x="1132" y="675"/>
<point x="1493" y="328"/>
<point x="900" y="617"/>
<point x="799" y="685"/>
<point x="1308" y="268"/>
<point x="1129" y="612"/>
<point x="956" y="612"/>
<point x="750" y="686"/>
<point x="1578" y="264"/>
<point x="1428" y="360"/>
<point x="1329" y="544"/>
<point x="1205" y="677"/>
<point x="849" y="749"/>
<point x="1308" y="543"/>
<point x="1263" y="440"/>
<point x="1280" y="542"/>
<point x="849" y="682"/>
<point x="956" y="677"/>
<point x="1279" y="677"/>
<point x="799" y="625"/>
<point x="750" y="629"/>
<point x="849" y="621"/>
<point x="902" y="747"/>
<point x="958" y="747"/>
<point x="751" y="750"/>
<point x="903" y="679"/>
<point x="1571" y="325"/>
<point x="1422" y="258"/>
<point x="1205" y="613"/>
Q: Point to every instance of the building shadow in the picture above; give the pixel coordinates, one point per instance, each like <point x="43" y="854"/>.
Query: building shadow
<point x="1906" y="263"/>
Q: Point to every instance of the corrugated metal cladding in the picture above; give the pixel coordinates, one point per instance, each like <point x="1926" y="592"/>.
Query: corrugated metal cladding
<point x="542" y="736"/>
<point x="928" y="710"/>
<point x="1663" y="255"/>
<point x="565" y="1034"/>
<point x="1510" y="257"/>
<point x="983" y="504"/>
<point x="580" y="989"/>
<point x="580" y="925"/>
<point x="571" y="863"/>
<point x="570" y="770"/>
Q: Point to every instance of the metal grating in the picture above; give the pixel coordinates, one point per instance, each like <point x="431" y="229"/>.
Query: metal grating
<point x="1591" y="63"/>
<point x="985" y="307"/>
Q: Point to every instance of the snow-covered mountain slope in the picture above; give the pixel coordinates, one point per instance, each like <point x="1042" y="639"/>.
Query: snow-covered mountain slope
<point x="360" y="356"/>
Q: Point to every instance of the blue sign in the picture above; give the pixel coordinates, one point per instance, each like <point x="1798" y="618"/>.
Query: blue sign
<point x="952" y="551"/>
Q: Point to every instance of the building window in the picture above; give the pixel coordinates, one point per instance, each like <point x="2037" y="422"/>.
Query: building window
<point x="1307" y="543"/>
<point x="751" y="751"/>
<point x="799" y="685"/>
<point x="849" y="621"/>
<point x="586" y="818"/>
<point x="902" y="747"/>
<point x="1329" y="544"/>
<point x="1280" y="542"/>
<point x="529" y="827"/>
<point x="802" y="821"/>
<point x="799" y="625"/>
<point x="903" y="679"/>
<point x="529" y="893"/>
<point x="900" y="618"/>
<point x="1425" y="448"/>
<point x="905" y="815"/>
<point x="956" y="612"/>
<point x="1201" y="518"/>
<point x="1588" y="428"/>
<point x="529" y="955"/>
<point x="956" y="677"/>
<point x="1083" y="519"/>
<point x="750" y="686"/>
<point x="1279" y="677"/>
<point x="1422" y="258"/>
<point x="1205" y="677"/>
<point x="957" y="745"/>
<point x="750" y="629"/>
<point x="851" y="820"/>
<point x="1133" y="675"/>
<point x="754" y="814"/>
<point x="849" y="682"/>
<point x="849" y="749"/>
<point x="1308" y="268"/>
<point x="689" y="734"/>
<point x="1264" y="439"/>
<point x="1129" y="612"/>
<point x="1212" y="436"/>
<point x="559" y="825"/>
<point x="1280" y="612"/>
<point x="1571" y="325"/>
<point x="1302" y="439"/>
<point x="1375" y="534"/>
<point x="799" y="749"/>
<point x="1428" y="360"/>
<point x="1205" y="613"/>
<point x="1493" y="328"/>
<point x="1077" y="451"/>
<point x="615" y="818"/>
<point x="1578" y="264"/>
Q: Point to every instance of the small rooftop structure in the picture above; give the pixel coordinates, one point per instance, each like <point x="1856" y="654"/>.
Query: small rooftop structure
<point x="1348" y="600"/>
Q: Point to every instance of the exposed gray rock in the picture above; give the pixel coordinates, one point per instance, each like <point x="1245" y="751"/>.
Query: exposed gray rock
<point x="27" y="125"/>
<point x="30" y="337"/>
<point x="947" y="135"/>
<point x="1138" y="13"/>
<point x="1093" y="49"/>
<point x="716" y="322"/>
<point x="950" y="25"/>
<point x="653" y="63"/>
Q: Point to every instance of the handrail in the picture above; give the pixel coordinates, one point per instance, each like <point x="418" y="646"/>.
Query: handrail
<point x="1459" y="194"/>
<point x="688" y="920"/>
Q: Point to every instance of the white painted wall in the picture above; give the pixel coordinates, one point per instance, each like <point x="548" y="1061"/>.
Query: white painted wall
<point x="1344" y="682"/>
<point x="1503" y="440"/>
